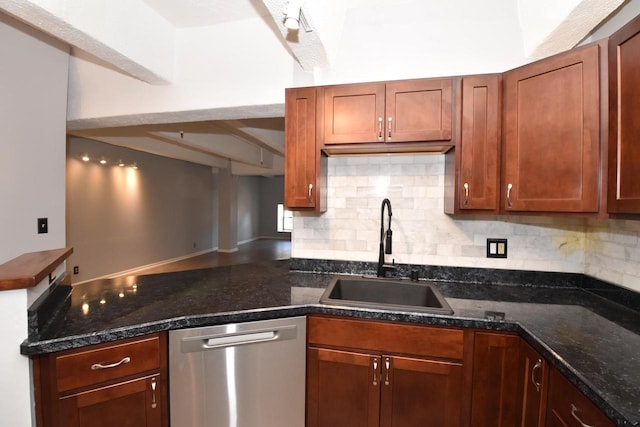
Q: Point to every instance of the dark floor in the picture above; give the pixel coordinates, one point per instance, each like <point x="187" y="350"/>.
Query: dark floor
<point x="258" y="250"/>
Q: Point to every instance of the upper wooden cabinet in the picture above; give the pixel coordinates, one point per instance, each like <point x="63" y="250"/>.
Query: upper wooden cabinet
<point x="305" y="166"/>
<point x="473" y="167"/>
<point x="624" y="125"/>
<point x="402" y="111"/>
<point x="551" y="151"/>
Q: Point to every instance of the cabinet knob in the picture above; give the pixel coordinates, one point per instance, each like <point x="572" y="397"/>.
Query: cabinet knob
<point x="466" y="194"/>
<point x="387" y="362"/>
<point x="537" y="366"/>
<point x="153" y="393"/>
<point x="375" y="372"/>
<point x="574" y="414"/>
<point x="97" y="366"/>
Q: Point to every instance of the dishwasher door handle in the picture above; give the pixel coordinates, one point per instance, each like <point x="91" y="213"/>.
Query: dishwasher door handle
<point x="224" y="340"/>
<point x="231" y="340"/>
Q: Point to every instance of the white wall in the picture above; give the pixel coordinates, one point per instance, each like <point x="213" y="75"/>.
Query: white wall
<point x="33" y="84"/>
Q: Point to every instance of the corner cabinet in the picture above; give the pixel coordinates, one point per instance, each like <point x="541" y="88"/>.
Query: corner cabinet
<point x="533" y="386"/>
<point x="495" y="397"/>
<point x="115" y="384"/>
<point x="402" y="111"/>
<point x="473" y="167"/>
<point x="624" y="126"/>
<point x="568" y="407"/>
<point x="551" y="152"/>
<point x="305" y="166"/>
<point x="370" y="374"/>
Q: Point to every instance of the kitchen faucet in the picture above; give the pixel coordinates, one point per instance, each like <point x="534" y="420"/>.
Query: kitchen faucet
<point x="385" y="240"/>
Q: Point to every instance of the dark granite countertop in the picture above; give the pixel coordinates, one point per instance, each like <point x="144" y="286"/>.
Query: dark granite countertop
<point x="587" y="329"/>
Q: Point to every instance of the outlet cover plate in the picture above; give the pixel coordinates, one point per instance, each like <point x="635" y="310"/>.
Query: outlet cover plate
<point x="496" y="248"/>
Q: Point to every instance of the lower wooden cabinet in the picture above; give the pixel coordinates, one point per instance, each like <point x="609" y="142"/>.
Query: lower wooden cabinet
<point x="533" y="386"/>
<point x="495" y="398"/>
<point x="568" y="407"/>
<point x="116" y="384"/>
<point x="362" y="373"/>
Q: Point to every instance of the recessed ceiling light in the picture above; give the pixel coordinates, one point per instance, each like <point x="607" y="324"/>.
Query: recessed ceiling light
<point x="103" y="162"/>
<point x="120" y="163"/>
<point x="85" y="158"/>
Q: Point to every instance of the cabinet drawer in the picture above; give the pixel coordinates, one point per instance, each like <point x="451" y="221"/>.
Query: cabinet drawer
<point x="386" y="337"/>
<point x="96" y="364"/>
<point x="567" y="406"/>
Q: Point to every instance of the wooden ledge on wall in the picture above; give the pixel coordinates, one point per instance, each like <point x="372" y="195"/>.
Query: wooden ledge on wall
<point x="29" y="269"/>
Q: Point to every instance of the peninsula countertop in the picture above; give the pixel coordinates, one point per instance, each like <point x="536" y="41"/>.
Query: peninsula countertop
<point x="593" y="340"/>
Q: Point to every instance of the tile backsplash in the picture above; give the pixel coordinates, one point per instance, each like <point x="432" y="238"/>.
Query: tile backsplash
<point x="423" y="234"/>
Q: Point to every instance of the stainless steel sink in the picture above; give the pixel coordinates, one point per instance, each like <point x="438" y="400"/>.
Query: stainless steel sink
<point x="385" y="294"/>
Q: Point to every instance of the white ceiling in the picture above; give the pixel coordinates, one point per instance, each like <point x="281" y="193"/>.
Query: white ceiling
<point x="150" y="49"/>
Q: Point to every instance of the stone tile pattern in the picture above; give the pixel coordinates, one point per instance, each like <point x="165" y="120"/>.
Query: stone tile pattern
<point x="424" y="235"/>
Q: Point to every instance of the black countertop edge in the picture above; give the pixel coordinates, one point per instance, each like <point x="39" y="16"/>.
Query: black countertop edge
<point x="98" y="337"/>
<point x="32" y="347"/>
<point x="475" y="275"/>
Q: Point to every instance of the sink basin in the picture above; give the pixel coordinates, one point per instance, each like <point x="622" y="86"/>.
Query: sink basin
<point x="385" y="294"/>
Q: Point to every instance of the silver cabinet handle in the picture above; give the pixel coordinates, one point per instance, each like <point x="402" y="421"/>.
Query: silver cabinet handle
<point x="379" y="128"/>
<point x="386" y="365"/>
<point x="97" y="366"/>
<point x="390" y="126"/>
<point x="375" y="372"/>
<point x="153" y="393"/>
<point x="509" y="187"/>
<point x="537" y="366"/>
<point x="574" y="414"/>
<point x="310" y="193"/>
<point x="466" y="194"/>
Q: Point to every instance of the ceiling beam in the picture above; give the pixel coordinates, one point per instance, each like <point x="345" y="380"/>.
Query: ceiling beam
<point x="145" y="55"/>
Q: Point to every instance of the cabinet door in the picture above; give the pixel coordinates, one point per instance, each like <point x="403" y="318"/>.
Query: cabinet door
<point x="418" y="110"/>
<point x="495" y="398"/>
<point x="354" y="113"/>
<point x="479" y="144"/>
<point x="534" y="373"/>
<point x="301" y="153"/>
<point x="418" y="392"/>
<point x="568" y="407"/>
<point x="624" y="126"/>
<point x="551" y="148"/>
<point x="343" y="389"/>
<point x="135" y="403"/>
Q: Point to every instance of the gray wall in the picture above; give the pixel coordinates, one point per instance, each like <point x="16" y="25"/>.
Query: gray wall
<point x="249" y="208"/>
<point x="271" y="193"/>
<point x="258" y="199"/>
<point x="119" y="218"/>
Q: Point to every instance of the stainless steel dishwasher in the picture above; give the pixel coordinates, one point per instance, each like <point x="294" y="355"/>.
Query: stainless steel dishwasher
<point x="238" y="375"/>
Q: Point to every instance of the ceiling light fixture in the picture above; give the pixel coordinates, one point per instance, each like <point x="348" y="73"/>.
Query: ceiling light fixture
<point x="85" y="158"/>
<point x="120" y="163"/>
<point x="134" y="166"/>
<point x="103" y="161"/>
<point x="294" y="18"/>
